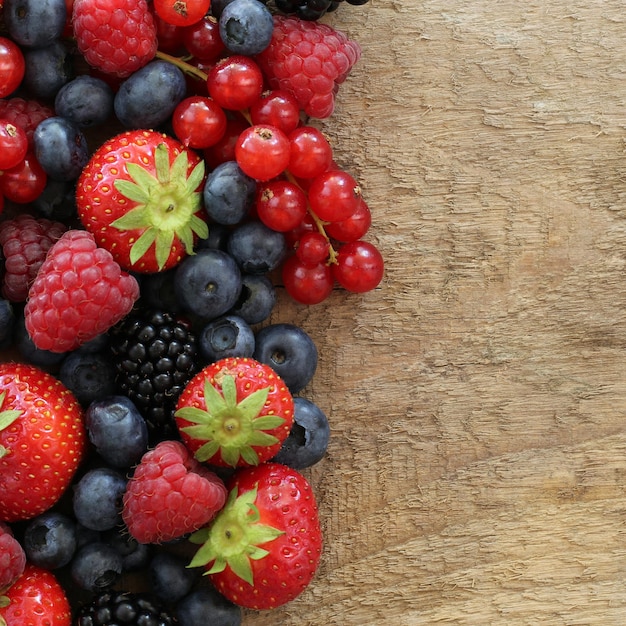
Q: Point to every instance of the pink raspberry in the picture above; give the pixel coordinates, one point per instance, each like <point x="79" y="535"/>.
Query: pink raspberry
<point x="170" y="494"/>
<point x="118" y="37"/>
<point x="27" y="114"/>
<point x="310" y="60"/>
<point x="12" y="558"/>
<point x="78" y="293"/>
<point x="25" y="241"/>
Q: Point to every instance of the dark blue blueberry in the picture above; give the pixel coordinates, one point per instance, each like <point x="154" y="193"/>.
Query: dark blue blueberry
<point x="256" y="300"/>
<point x="50" y="540"/>
<point x="206" y="605"/>
<point x="86" y="535"/>
<point x="307" y="442"/>
<point x="217" y="239"/>
<point x="117" y="430"/>
<point x="35" y="23"/>
<point x="97" y="498"/>
<point x="31" y="353"/>
<point x="57" y="201"/>
<point x="289" y="351"/>
<point x="256" y="248"/>
<point x="86" y="101"/>
<point x="96" y="566"/>
<point x="147" y="98"/>
<point x="246" y="27"/>
<point x="61" y="148"/>
<point x="47" y="70"/>
<point x="208" y="283"/>
<point x="135" y="556"/>
<point x="170" y="578"/>
<point x="226" y="336"/>
<point x="89" y="375"/>
<point x="228" y="194"/>
<point x="7" y="323"/>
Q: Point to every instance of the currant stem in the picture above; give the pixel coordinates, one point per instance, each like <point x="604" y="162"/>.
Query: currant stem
<point x="182" y="65"/>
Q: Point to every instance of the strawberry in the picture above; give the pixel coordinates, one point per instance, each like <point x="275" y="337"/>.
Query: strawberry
<point x="117" y="37"/>
<point x="170" y="494"/>
<point x="263" y="549"/>
<point x="235" y="412"/>
<point x="78" y="293"/>
<point x="42" y="440"/>
<point x="35" y="599"/>
<point x="140" y="195"/>
<point x="12" y="558"/>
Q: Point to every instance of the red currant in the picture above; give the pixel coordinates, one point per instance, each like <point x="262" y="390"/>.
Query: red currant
<point x="281" y="205"/>
<point x="170" y="37"/>
<point x="13" y="144"/>
<point x="307" y="285"/>
<point x="311" y="154"/>
<point x="25" y="182"/>
<point x="313" y="249"/>
<point x="181" y="12"/>
<point x="262" y="152"/>
<point x="235" y="82"/>
<point x="334" y="195"/>
<point x="202" y="40"/>
<point x="12" y="67"/>
<point x="355" y="227"/>
<point x="198" y="122"/>
<point x="359" y="266"/>
<point x="277" y="108"/>
<point x="307" y="225"/>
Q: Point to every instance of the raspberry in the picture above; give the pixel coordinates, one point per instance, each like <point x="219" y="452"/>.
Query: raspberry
<point x="78" y="294"/>
<point x="25" y="241"/>
<point x="310" y="60"/>
<point x="170" y="494"/>
<point x="12" y="558"/>
<point x="117" y="37"/>
<point x="27" y="114"/>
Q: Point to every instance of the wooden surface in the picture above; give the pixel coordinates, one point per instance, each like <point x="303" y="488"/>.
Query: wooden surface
<point x="477" y="398"/>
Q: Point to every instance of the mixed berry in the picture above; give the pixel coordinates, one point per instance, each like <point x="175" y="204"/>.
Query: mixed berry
<point x="162" y="182"/>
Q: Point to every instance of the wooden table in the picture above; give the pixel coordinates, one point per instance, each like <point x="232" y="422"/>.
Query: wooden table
<point x="477" y="398"/>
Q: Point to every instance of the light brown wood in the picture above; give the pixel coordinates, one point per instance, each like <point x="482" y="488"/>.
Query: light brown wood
<point x="477" y="398"/>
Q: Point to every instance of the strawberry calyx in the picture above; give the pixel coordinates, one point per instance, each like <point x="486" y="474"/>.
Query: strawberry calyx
<point x="7" y="417"/>
<point x="235" y="537"/>
<point x="166" y="205"/>
<point x="228" y="426"/>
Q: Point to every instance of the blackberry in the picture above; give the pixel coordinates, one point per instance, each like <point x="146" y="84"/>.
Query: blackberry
<point x="155" y="355"/>
<point x="114" y="608"/>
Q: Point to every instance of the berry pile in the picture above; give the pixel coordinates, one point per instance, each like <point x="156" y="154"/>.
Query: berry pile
<point x="162" y="182"/>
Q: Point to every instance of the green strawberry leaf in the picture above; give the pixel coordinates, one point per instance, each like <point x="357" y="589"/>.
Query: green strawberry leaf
<point x="7" y="417"/>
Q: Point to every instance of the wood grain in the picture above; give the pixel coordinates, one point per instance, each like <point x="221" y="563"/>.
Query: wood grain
<point x="477" y="398"/>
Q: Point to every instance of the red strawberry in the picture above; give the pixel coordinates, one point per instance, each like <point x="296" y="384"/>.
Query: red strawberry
<point x="25" y="241"/>
<point x="42" y="440"/>
<point x="310" y="60"/>
<point x="78" y="294"/>
<point x="235" y="412"/>
<point x="36" y="599"/>
<point x="12" y="558"/>
<point x="140" y="195"/>
<point x="117" y="37"/>
<point x="264" y="547"/>
<point x="170" y="494"/>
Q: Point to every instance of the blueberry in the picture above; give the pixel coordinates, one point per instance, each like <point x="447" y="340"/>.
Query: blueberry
<point x="308" y="440"/>
<point x="7" y="323"/>
<point x="205" y="605"/>
<point x="50" y="540"/>
<point x="290" y="351"/>
<point x="208" y="283"/>
<point x="170" y="578"/>
<point x="57" y="201"/>
<point x="86" y="101"/>
<point x="217" y="239"/>
<point x="256" y="248"/>
<point x="96" y="566"/>
<point x="89" y="375"/>
<point x="135" y="556"/>
<point x="226" y="336"/>
<point x="228" y="193"/>
<point x="97" y="498"/>
<point x="35" y="23"/>
<point x="148" y="97"/>
<point x="256" y="300"/>
<point x="246" y="27"/>
<point x="46" y="70"/>
<point x="117" y="430"/>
